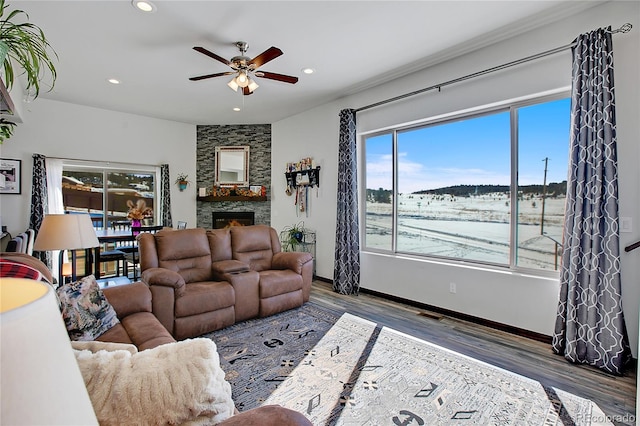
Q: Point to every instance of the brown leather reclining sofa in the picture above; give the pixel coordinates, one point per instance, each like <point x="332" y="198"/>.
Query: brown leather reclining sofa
<point x="204" y="280"/>
<point x="139" y="326"/>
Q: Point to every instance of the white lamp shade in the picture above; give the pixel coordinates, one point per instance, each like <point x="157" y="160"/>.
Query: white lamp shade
<point x="66" y="232"/>
<point x="232" y="84"/>
<point x="41" y="382"/>
<point x="252" y="85"/>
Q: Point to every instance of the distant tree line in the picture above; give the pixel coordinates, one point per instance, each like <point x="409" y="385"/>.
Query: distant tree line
<point x="554" y="189"/>
<point x="379" y="195"/>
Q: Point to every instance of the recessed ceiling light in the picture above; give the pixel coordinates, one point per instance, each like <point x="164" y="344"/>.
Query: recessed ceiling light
<point x="236" y="109"/>
<point x="308" y="70"/>
<point x="144" y="5"/>
<point x="113" y="80"/>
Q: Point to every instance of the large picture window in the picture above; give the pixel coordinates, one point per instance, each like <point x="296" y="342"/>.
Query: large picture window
<point x="105" y="191"/>
<point x="450" y="189"/>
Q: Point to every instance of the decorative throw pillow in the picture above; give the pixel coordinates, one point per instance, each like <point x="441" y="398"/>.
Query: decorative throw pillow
<point x="86" y="312"/>
<point x="177" y="383"/>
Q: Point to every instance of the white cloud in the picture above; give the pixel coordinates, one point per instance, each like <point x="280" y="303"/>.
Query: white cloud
<point x="414" y="176"/>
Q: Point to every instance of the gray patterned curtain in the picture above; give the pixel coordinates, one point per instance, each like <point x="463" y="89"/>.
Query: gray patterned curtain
<point x="165" y="196"/>
<point x="39" y="201"/>
<point x="346" y="276"/>
<point x="590" y="326"/>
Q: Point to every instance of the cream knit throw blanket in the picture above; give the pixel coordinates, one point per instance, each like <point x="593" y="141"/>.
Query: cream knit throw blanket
<point x="172" y="384"/>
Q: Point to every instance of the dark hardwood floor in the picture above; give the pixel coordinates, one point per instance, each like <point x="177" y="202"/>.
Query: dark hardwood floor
<point x="616" y="396"/>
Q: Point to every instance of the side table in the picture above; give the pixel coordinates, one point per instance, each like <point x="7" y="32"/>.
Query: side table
<point x="112" y="282"/>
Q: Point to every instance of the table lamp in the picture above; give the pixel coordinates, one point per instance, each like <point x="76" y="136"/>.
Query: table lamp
<point x="41" y="381"/>
<point x="66" y="232"/>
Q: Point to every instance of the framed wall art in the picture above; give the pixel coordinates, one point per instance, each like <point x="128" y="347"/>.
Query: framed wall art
<point x="10" y="176"/>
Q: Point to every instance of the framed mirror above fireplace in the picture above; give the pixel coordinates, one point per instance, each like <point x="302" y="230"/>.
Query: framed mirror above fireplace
<point x="232" y="166"/>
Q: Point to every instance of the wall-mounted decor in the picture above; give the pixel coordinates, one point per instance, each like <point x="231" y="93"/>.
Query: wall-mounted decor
<point x="232" y="166"/>
<point x="182" y="180"/>
<point x="302" y="176"/>
<point x="10" y="176"/>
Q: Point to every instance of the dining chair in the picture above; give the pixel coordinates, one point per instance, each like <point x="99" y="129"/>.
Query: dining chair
<point x="127" y="246"/>
<point x="133" y="256"/>
<point x="116" y="252"/>
<point x="118" y="256"/>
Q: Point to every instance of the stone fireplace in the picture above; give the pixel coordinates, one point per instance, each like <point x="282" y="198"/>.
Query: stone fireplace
<point x="258" y="138"/>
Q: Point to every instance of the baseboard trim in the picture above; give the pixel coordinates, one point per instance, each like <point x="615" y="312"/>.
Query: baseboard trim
<point x="323" y="279"/>
<point x="454" y="314"/>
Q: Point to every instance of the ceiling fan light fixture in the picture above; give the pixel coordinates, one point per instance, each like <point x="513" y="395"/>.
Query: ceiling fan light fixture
<point x="244" y="68"/>
<point x="242" y="79"/>
<point x="233" y="84"/>
<point x="252" y="85"/>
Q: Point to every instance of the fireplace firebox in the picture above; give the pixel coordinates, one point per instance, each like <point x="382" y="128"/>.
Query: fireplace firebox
<point x="227" y="219"/>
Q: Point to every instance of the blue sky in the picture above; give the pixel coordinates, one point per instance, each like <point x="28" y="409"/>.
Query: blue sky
<point x="475" y="151"/>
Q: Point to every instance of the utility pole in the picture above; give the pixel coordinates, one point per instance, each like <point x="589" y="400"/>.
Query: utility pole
<point x="544" y="194"/>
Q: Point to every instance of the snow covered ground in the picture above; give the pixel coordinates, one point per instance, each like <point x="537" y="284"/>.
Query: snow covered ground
<point x="473" y="228"/>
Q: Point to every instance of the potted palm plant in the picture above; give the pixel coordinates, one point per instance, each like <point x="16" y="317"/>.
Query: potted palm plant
<point x="24" y="44"/>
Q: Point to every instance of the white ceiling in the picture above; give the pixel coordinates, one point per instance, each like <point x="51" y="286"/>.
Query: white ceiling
<point x="352" y="45"/>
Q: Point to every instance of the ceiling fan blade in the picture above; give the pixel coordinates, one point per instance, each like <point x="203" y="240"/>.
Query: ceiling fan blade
<point x="202" y="77"/>
<point x="246" y="91"/>
<point x="276" y="76"/>
<point x="266" y="56"/>
<point x="211" y="55"/>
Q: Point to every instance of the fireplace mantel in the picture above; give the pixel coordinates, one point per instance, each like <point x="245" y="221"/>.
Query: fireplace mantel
<point x="211" y="198"/>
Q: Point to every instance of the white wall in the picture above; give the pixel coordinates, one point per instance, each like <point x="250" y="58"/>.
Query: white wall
<point x="515" y="299"/>
<point x="312" y="136"/>
<point x="58" y="129"/>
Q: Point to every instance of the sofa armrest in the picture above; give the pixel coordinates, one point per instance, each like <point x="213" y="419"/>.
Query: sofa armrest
<point x="164" y="277"/>
<point x="291" y="260"/>
<point x="129" y="299"/>
<point x="267" y="415"/>
<point x="222" y="267"/>
<point x="30" y="261"/>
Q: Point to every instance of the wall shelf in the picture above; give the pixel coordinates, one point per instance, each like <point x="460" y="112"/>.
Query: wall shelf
<point x="308" y="177"/>
<point x="230" y="198"/>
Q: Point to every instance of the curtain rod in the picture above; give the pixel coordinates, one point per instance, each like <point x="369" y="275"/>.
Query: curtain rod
<point x="103" y="162"/>
<point x="623" y="29"/>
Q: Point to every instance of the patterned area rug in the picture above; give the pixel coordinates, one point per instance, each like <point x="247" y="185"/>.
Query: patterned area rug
<point x="344" y="370"/>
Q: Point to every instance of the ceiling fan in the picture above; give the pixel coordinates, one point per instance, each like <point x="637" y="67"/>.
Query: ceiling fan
<point x="245" y="68"/>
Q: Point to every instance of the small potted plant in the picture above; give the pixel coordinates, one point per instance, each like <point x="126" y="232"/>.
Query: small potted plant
<point x="292" y="236"/>
<point x="23" y="43"/>
<point x="182" y="181"/>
